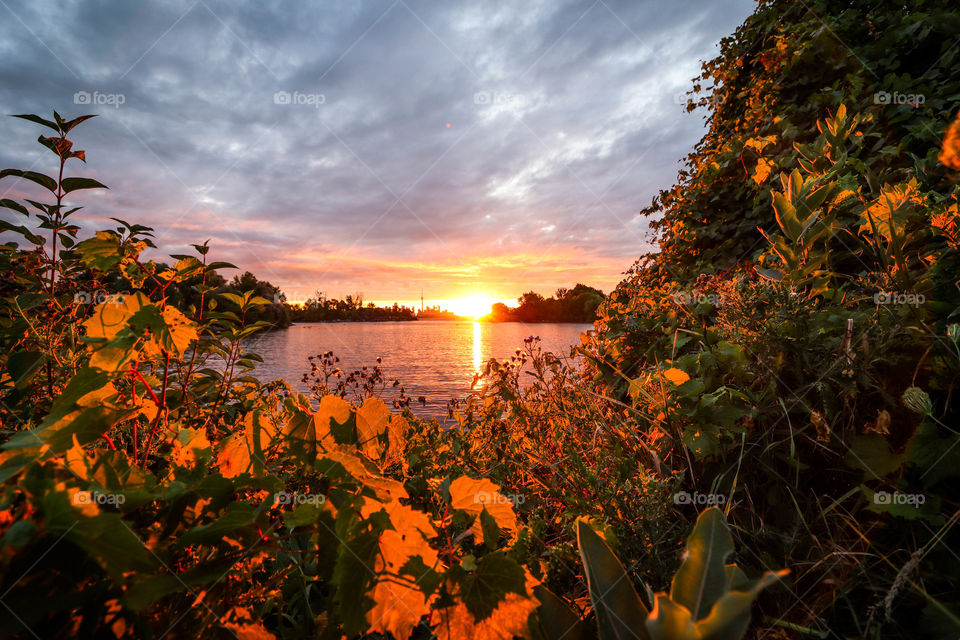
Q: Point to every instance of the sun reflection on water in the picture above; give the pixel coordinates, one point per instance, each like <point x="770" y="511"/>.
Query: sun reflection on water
<point x="477" y="348"/>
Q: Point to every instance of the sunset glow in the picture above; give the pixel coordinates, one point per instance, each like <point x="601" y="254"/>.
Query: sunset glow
<point x="472" y="319"/>
<point x="474" y="306"/>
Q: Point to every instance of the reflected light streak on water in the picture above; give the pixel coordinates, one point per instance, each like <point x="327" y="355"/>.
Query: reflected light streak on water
<point x="477" y="348"/>
<point x="435" y="359"/>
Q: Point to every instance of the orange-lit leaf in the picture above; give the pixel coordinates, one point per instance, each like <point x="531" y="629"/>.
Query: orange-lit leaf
<point x="676" y="376"/>
<point x="507" y="621"/>
<point x="473" y="496"/>
<point x="764" y="168"/>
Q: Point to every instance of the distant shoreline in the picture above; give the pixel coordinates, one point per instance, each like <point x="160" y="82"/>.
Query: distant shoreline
<point x="460" y="319"/>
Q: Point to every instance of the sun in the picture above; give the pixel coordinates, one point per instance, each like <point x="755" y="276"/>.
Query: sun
<point x="472" y="307"/>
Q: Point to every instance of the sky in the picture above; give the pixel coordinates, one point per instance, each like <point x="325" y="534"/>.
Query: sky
<point x="383" y="147"/>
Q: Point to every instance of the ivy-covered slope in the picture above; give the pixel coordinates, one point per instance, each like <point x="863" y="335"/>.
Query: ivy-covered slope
<point x="789" y="65"/>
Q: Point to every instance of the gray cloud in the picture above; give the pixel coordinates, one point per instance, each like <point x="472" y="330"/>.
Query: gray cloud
<point x="522" y="140"/>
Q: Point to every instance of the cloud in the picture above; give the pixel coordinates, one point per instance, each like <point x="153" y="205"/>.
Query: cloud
<point x="380" y="145"/>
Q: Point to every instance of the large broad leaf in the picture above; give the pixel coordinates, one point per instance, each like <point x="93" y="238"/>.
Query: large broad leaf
<point x="22" y="230"/>
<point x="872" y="454"/>
<point x="620" y="612"/>
<point x="144" y="592"/>
<point x="702" y="578"/>
<point x="77" y="411"/>
<point x="109" y="319"/>
<point x="556" y="620"/>
<point x="6" y="203"/>
<point x="104" y="536"/>
<point x="496" y="575"/>
<point x="38" y="120"/>
<point x="101" y="252"/>
<point x="670" y="621"/>
<point x="70" y="124"/>
<point x="169" y="329"/>
<point x="478" y="495"/>
<point x="730" y="615"/>
<point x="352" y="573"/>
<point x="43" y="180"/>
<point x="235" y="522"/>
<point x="23" y="365"/>
<point x="75" y="184"/>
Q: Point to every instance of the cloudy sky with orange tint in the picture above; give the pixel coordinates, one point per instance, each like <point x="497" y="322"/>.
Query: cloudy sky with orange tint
<point x="383" y="147"/>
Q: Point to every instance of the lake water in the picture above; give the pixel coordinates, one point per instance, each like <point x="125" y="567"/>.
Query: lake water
<point x="436" y="359"/>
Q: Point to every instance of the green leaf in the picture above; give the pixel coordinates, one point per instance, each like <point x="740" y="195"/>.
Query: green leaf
<point x="220" y="265"/>
<point x="497" y="575"/>
<point x="143" y="593"/>
<point x="19" y="534"/>
<point x="491" y="530"/>
<point x="232" y="297"/>
<point x="619" y="610"/>
<point x="23" y="365"/>
<point x="352" y="573"/>
<point x="302" y="515"/>
<point x="911" y="506"/>
<point x="83" y="382"/>
<point x="101" y="252"/>
<point x="238" y="516"/>
<point x="936" y="453"/>
<point x="111" y="541"/>
<point x="44" y="181"/>
<point x="730" y="616"/>
<point x="345" y="433"/>
<point x="556" y="620"/>
<point x="75" y="184"/>
<point x="169" y="329"/>
<point x="872" y="454"/>
<point x="38" y="120"/>
<point x="670" y="621"/>
<point x="771" y="274"/>
<point x="702" y="577"/>
<point x="67" y="126"/>
<point x="6" y="203"/>
<point x="426" y="578"/>
<point x="26" y="233"/>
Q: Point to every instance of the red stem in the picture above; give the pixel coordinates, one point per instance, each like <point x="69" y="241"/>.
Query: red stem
<point x="161" y="411"/>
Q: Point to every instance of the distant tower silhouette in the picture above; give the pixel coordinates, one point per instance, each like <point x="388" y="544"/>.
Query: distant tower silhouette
<point x="421" y="299"/>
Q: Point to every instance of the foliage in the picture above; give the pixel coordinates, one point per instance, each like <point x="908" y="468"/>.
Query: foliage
<point x="810" y="302"/>
<point x="708" y="599"/>
<point x="320" y="308"/>
<point x="569" y="305"/>
<point x="787" y="66"/>
<point x="149" y="484"/>
<point x="790" y="354"/>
